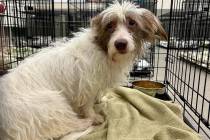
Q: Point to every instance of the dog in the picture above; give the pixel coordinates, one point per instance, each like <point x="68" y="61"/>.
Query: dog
<point x="53" y="92"/>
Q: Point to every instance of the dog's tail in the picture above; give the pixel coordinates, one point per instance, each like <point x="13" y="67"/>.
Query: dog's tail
<point x="78" y="134"/>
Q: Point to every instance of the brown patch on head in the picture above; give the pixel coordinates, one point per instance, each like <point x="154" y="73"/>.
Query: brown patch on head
<point x="147" y="26"/>
<point x="103" y="30"/>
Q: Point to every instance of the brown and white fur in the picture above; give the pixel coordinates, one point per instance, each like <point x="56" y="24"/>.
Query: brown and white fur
<point x="53" y="92"/>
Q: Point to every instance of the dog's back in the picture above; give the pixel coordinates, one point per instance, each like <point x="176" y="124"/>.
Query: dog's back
<point x="32" y="106"/>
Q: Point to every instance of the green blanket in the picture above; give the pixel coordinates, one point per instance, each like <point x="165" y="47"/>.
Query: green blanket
<point x="132" y="115"/>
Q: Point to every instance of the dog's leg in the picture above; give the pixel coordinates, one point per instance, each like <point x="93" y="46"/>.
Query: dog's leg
<point x="88" y="111"/>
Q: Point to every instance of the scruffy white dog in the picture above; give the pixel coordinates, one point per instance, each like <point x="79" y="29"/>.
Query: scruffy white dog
<point x="53" y="92"/>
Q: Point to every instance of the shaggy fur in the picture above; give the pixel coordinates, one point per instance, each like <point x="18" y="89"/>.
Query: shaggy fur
<point x="53" y="92"/>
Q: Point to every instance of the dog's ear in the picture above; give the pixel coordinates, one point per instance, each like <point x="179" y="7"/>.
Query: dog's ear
<point x="96" y="21"/>
<point x="150" y="26"/>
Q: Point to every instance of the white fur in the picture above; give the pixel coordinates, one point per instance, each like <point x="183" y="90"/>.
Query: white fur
<point x="34" y="97"/>
<point x="118" y="10"/>
<point x="121" y="33"/>
<point x="40" y="99"/>
<point x="76" y="135"/>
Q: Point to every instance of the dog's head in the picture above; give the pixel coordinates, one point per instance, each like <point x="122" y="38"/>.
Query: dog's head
<point x="121" y="29"/>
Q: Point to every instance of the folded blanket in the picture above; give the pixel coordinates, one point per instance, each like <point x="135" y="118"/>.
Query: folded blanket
<point x="132" y="115"/>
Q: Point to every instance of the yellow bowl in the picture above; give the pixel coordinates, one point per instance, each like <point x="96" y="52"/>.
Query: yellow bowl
<point x="149" y="87"/>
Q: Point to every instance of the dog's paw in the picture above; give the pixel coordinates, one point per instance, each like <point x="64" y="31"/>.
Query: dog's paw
<point x="97" y="119"/>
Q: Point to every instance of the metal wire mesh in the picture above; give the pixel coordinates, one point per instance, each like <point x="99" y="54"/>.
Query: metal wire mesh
<point x="187" y="66"/>
<point x="24" y="30"/>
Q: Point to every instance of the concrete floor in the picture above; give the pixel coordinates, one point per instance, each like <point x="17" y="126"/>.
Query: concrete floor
<point x="190" y="81"/>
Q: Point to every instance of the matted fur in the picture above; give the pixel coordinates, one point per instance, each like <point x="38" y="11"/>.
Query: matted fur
<point x="44" y="97"/>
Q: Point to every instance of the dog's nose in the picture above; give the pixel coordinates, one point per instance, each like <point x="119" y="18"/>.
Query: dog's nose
<point x="121" y="45"/>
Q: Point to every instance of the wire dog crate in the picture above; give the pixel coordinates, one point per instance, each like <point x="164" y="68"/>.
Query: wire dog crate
<point x="24" y="30"/>
<point x="187" y="65"/>
<point x="181" y="63"/>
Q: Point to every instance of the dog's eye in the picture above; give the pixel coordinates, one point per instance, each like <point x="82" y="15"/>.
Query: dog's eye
<point x="111" y="25"/>
<point x="131" y="23"/>
<point x="108" y="26"/>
